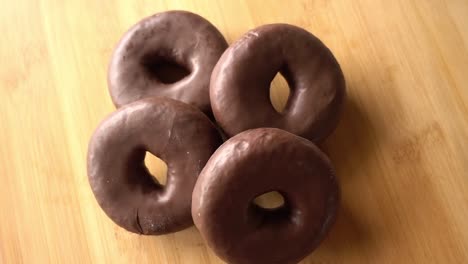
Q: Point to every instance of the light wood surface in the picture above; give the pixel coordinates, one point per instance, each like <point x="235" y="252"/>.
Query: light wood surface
<point x="401" y="149"/>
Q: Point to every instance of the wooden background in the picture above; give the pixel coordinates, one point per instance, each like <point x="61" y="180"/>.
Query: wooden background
<point x="401" y="149"/>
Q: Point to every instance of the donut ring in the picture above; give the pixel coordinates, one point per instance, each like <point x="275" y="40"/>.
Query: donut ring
<point x="250" y="164"/>
<point x="164" y="39"/>
<point x="119" y="178"/>
<point x="240" y="83"/>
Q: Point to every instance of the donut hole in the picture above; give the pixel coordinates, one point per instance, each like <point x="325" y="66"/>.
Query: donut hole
<point x="270" y="200"/>
<point x="279" y="93"/>
<point x="157" y="168"/>
<point x="163" y="69"/>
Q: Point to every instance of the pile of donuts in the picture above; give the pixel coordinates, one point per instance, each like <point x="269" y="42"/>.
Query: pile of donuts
<point x="217" y="93"/>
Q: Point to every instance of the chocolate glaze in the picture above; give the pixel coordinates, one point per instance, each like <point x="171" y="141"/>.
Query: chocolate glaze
<point x="250" y="164"/>
<point x="160" y="42"/>
<point x="179" y="134"/>
<point x="240" y="83"/>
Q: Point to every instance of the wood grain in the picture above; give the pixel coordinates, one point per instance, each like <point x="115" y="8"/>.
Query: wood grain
<point x="401" y="149"/>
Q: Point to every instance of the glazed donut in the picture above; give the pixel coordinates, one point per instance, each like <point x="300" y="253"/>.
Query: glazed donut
<point x="179" y="134"/>
<point x="240" y="83"/>
<point x="256" y="162"/>
<point x="157" y="51"/>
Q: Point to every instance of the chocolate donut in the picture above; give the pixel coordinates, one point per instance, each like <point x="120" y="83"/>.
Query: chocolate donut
<point x="250" y="164"/>
<point x="179" y="134"/>
<point x="160" y="49"/>
<point x="240" y="83"/>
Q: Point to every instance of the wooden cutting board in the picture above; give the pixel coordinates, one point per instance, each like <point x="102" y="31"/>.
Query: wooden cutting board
<point x="400" y="151"/>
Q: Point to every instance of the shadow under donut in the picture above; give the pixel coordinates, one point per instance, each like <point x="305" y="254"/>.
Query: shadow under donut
<point x="349" y="149"/>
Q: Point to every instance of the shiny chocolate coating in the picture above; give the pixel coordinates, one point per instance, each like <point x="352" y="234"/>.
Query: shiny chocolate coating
<point x="250" y="164"/>
<point x="240" y="83"/>
<point x="179" y="134"/>
<point x="166" y="39"/>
